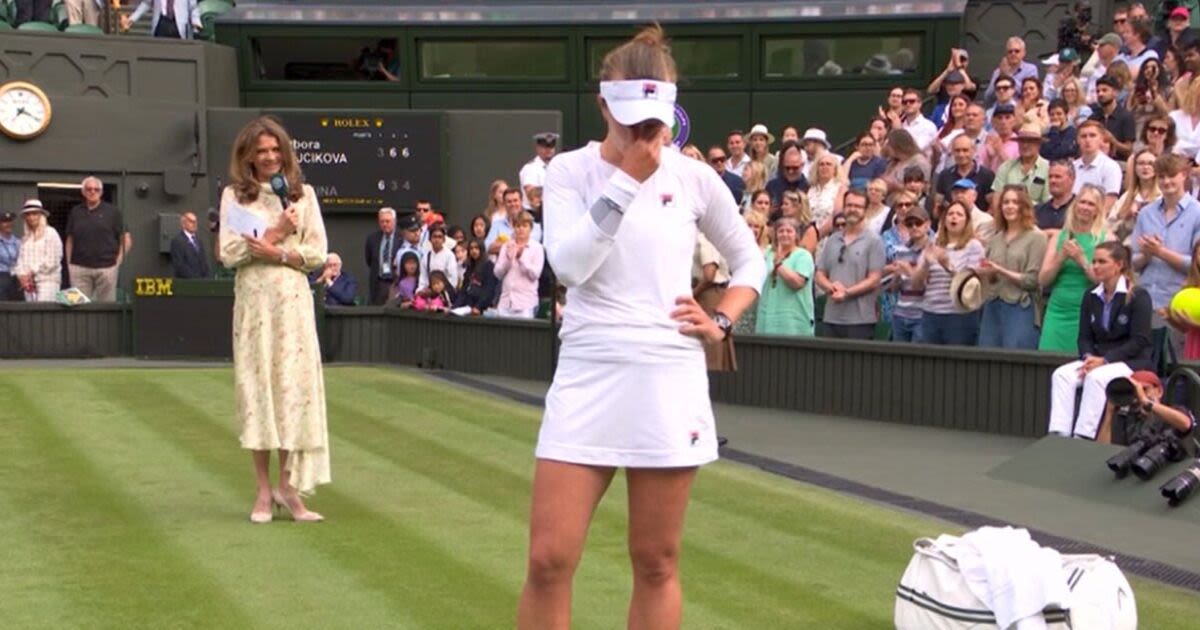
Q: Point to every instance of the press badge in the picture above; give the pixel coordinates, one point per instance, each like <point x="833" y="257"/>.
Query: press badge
<point x="386" y="270"/>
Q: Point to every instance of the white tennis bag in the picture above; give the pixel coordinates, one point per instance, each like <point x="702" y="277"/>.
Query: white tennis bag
<point x="934" y="596"/>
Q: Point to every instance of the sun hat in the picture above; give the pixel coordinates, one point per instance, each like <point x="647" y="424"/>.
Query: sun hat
<point x="1030" y="132"/>
<point x="761" y="130"/>
<point x="546" y="138"/>
<point x="818" y="135"/>
<point x="966" y="290"/>
<point x="636" y="101"/>
<point x="33" y="205"/>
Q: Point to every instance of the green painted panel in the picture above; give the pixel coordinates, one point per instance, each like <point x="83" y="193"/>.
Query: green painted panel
<point x="560" y="102"/>
<point x="315" y="99"/>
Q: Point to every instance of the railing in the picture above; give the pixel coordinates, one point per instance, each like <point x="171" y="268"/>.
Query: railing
<point x="974" y="389"/>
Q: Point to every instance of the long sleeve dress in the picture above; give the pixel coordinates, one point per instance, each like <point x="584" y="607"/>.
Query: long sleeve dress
<point x="41" y="257"/>
<point x="279" y="385"/>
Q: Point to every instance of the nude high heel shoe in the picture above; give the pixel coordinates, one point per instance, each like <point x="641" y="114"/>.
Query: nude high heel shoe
<point x="307" y="516"/>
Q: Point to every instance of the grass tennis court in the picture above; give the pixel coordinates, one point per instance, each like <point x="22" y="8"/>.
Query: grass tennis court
<point x="124" y="503"/>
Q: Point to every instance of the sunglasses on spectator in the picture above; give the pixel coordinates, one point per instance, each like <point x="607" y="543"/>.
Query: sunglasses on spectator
<point x="1013" y="51"/>
<point x="909" y="101"/>
<point x="1003" y="87"/>
<point x="91" y="189"/>
<point x="905" y="204"/>
<point x="792" y="169"/>
<point x="837" y="225"/>
<point x="717" y="159"/>
<point x="1119" y="20"/>
<point x="912" y="223"/>
<point x="1153" y="129"/>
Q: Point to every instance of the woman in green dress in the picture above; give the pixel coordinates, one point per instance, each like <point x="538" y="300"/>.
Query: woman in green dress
<point x="1067" y="270"/>
<point x="785" y="304"/>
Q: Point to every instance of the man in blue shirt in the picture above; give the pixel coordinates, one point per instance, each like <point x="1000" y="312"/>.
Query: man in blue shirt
<point x="1163" y="238"/>
<point x="501" y="230"/>
<point x="1012" y="65"/>
<point x="10" y="248"/>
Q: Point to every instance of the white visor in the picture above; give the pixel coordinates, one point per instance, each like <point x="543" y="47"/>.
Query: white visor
<point x="639" y="100"/>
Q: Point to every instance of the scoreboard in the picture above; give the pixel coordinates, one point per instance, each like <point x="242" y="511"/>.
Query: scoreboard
<point x="358" y="160"/>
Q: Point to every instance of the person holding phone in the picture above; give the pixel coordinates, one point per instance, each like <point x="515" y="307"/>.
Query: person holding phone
<point x="630" y="390"/>
<point x="954" y="80"/>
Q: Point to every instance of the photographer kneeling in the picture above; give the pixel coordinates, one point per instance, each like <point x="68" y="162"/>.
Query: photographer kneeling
<point x="1135" y="403"/>
<point x="1114" y="341"/>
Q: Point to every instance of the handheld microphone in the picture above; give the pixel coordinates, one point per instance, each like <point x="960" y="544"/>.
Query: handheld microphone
<point x="280" y="188"/>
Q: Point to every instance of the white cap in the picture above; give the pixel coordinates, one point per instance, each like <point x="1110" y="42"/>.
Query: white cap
<point x="635" y="101"/>
<point x="816" y="134"/>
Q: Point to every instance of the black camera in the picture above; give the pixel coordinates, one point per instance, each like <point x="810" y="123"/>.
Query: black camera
<point x="214" y="220"/>
<point x="1180" y="487"/>
<point x="1156" y="445"/>
<point x="1075" y="30"/>
<point x="1121" y="392"/>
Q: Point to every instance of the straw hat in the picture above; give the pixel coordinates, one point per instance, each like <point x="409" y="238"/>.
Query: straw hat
<point x="966" y="290"/>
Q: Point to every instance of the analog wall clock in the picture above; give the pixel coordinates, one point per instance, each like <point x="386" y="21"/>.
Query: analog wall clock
<point x="24" y="110"/>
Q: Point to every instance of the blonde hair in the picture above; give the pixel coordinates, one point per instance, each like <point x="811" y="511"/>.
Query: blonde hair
<point x="494" y="207"/>
<point x="836" y="178"/>
<point x="754" y="175"/>
<point x="241" y="160"/>
<point x="757" y="219"/>
<point x="962" y="240"/>
<point x="1097" y="227"/>
<point x="523" y="218"/>
<point x="803" y="211"/>
<point x="693" y="152"/>
<point x="646" y="56"/>
<point x="39" y="228"/>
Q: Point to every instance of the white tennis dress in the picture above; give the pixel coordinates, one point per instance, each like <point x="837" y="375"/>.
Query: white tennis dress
<point x="630" y="389"/>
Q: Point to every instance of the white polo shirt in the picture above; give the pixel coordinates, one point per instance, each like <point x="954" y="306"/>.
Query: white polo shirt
<point x="923" y="131"/>
<point x="1103" y="171"/>
<point x="532" y="174"/>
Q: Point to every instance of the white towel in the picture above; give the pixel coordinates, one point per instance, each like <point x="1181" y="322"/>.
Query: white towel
<point x="1013" y="575"/>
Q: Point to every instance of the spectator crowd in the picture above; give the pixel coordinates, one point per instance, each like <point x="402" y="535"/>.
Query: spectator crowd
<point x="970" y="213"/>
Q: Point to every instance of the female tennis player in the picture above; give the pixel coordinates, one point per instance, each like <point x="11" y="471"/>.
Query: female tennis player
<point x="631" y="388"/>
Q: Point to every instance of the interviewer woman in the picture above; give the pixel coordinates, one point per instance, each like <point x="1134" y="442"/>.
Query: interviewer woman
<point x="1114" y="341"/>
<point x="279" y="387"/>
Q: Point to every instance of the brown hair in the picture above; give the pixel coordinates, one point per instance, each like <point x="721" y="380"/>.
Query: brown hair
<point x="1123" y="257"/>
<point x="646" y="56"/>
<point x="961" y="241"/>
<point x="524" y="218"/>
<point x="241" y="160"/>
<point x="1027" y="218"/>
<point x="1170" y="164"/>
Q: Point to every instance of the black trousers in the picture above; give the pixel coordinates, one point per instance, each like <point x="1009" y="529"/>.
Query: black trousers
<point x="33" y="11"/>
<point x="379" y="291"/>
<point x="167" y="28"/>
<point x="865" y="332"/>
<point x="10" y="289"/>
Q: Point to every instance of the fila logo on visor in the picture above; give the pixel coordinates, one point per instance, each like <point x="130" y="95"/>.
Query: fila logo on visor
<point x="649" y="90"/>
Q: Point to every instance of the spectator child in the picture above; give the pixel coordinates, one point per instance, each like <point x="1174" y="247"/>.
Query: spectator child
<point x="519" y="266"/>
<point x="479" y="282"/>
<point x="437" y="297"/>
<point x="460" y="257"/>
<point x="405" y="288"/>
<point x="904" y="244"/>
<point x="1141" y="188"/>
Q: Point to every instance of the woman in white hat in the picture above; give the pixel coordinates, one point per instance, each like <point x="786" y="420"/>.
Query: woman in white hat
<point x="760" y="147"/>
<point x="631" y="389"/>
<point x="39" y="265"/>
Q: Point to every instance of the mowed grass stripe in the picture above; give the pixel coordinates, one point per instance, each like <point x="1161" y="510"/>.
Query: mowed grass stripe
<point x="415" y="576"/>
<point x="372" y="423"/>
<point x="427" y="454"/>
<point x="207" y="518"/>
<point x="114" y="568"/>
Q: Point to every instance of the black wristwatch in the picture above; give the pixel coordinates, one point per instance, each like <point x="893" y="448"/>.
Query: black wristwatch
<point x="722" y="321"/>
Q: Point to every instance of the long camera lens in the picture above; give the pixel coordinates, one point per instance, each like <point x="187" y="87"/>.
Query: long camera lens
<point x="1179" y="488"/>
<point x="1152" y="461"/>
<point x="1120" y="462"/>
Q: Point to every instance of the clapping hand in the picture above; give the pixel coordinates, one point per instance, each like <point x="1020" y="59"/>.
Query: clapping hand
<point x="1150" y="245"/>
<point x="1072" y="250"/>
